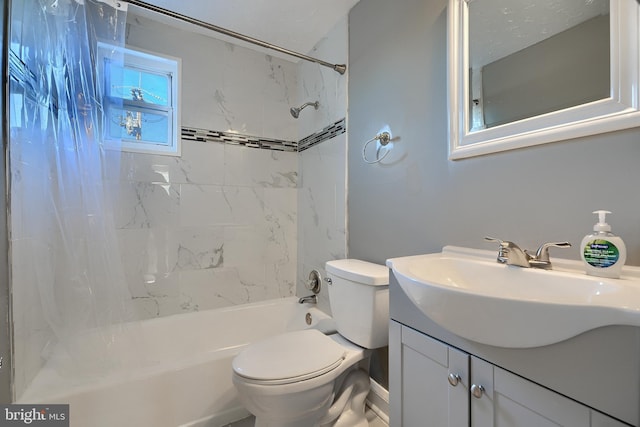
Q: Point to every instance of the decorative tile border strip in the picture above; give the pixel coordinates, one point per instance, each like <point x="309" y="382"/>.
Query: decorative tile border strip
<point x="328" y="132"/>
<point x="203" y="135"/>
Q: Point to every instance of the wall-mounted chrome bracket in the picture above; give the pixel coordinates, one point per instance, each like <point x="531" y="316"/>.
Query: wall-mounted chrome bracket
<point x="383" y="139"/>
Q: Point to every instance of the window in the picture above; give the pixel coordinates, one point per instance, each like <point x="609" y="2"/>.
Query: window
<point x="140" y="101"/>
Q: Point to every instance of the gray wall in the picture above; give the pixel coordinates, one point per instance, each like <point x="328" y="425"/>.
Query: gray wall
<point x="544" y="77"/>
<point x="419" y="200"/>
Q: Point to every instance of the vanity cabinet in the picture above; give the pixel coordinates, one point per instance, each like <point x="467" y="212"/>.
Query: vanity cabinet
<point x="434" y="384"/>
<point x="430" y="380"/>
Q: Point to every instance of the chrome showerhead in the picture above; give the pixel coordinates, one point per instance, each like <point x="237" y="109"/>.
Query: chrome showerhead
<point x="295" y="111"/>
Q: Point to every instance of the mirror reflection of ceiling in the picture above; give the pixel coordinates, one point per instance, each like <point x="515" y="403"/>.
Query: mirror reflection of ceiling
<point x="292" y="24"/>
<point x="499" y="28"/>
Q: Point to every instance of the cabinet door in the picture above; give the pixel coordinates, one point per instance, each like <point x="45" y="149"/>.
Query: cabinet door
<point x="507" y="400"/>
<point x="428" y="384"/>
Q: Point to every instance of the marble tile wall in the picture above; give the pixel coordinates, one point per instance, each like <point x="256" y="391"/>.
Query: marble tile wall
<point x="322" y="84"/>
<point x="322" y="233"/>
<point x="212" y="228"/>
<point x="225" y="87"/>
<point x="216" y="226"/>
<point x="322" y="218"/>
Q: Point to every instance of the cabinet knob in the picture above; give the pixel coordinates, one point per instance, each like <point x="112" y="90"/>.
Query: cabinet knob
<point x="454" y="379"/>
<point x="477" y="391"/>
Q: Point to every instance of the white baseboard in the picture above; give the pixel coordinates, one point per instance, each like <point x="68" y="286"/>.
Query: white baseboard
<point x="378" y="401"/>
<point x="220" y="419"/>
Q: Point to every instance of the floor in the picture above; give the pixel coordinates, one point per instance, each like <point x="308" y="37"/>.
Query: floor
<point x="374" y="421"/>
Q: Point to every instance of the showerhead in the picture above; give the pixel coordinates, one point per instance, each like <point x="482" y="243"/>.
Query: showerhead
<point x="295" y="111"/>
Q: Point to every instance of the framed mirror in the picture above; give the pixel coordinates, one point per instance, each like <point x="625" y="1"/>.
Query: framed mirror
<point x="531" y="72"/>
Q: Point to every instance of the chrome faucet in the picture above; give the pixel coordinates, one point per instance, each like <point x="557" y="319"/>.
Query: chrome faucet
<point x="509" y="253"/>
<point x="311" y="299"/>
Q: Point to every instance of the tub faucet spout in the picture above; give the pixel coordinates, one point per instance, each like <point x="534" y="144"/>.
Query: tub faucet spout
<point x="311" y="299"/>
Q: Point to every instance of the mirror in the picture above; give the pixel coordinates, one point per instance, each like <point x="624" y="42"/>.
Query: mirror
<point x="533" y="72"/>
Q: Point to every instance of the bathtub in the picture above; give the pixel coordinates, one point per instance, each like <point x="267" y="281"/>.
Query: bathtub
<point x="185" y="379"/>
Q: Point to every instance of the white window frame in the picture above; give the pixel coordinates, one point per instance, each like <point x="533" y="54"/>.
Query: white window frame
<point x="154" y="63"/>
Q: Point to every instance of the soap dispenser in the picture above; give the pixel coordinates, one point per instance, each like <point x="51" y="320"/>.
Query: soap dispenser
<point x="602" y="252"/>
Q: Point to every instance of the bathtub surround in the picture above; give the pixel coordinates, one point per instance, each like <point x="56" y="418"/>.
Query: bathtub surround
<point x="322" y="220"/>
<point x="321" y="212"/>
<point x="219" y="231"/>
<point x="217" y="226"/>
<point x="177" y="218"/>
<point x="306" y="234"/>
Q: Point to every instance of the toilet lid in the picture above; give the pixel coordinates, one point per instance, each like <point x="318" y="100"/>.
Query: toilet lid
<point x="289" y="357"/>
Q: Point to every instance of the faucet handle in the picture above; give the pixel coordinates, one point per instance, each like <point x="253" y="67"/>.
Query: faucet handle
<point x="542" y="254"/>
<point x="502" y="252"/>
<point x="493" y="239"/>
<point x="509" y="252"/>
<point x="504" y="244"/>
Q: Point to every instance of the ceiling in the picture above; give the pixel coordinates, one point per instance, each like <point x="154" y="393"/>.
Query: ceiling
<point x="292" y="24"/>
<point x="501" y="27"/>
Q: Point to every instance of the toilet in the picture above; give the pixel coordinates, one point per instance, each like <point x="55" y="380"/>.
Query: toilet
<point x="306" y="378"/>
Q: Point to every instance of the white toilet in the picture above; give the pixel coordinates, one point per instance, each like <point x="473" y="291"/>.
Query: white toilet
<point x="307" y="379"/>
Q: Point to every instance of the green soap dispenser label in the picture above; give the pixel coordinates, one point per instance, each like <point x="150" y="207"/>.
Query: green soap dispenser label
<point x="601" y="253"/>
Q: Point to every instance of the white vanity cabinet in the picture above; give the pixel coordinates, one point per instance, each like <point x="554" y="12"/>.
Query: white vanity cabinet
<point x="434" y="384"/>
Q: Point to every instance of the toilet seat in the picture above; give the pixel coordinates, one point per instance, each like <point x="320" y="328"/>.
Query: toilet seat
<point x="288" y="358"/>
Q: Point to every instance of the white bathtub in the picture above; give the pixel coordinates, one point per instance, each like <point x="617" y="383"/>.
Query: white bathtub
<point x="186" y="377"/>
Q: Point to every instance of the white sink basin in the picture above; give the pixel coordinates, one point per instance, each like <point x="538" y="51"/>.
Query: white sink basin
<point x="468" y="293"/>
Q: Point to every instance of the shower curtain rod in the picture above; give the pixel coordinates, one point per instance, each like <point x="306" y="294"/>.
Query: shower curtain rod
<point x="340" y="68"/>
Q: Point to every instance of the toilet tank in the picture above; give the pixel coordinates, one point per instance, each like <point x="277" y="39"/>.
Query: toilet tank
<point x="359" y="296"/>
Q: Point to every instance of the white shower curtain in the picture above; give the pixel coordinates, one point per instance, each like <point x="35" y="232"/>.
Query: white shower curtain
<point x="62" y="213"/>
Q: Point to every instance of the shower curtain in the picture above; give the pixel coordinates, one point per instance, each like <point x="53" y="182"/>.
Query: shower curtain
<point x="63" y="231"/>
